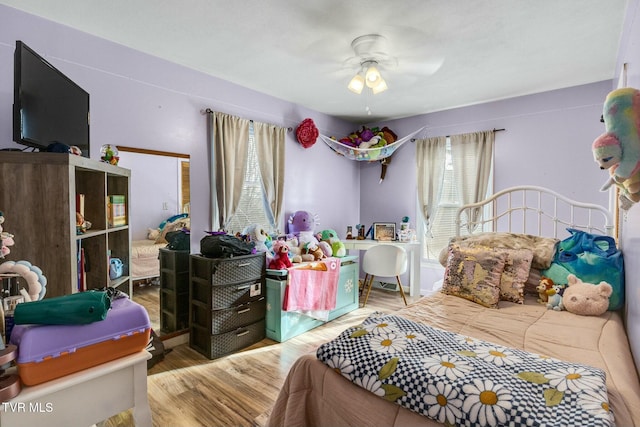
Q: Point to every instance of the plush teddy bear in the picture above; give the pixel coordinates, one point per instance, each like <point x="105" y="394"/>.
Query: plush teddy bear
<point x="295" y="251"/>
<point x="281" y="259"/>
<point x="585" y="298"/>
<point x="331" y="237"/>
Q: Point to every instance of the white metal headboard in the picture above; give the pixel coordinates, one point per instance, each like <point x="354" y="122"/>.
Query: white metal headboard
<point x="533" y="210"/>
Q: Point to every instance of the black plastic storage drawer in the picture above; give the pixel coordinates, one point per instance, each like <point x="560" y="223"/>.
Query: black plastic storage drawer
<point x="226" y="271"/>
<point x="214" y="346"/>
<point x="217" y="297"/>
<point x="228" y="301"/>
<point x="228" y="319"/>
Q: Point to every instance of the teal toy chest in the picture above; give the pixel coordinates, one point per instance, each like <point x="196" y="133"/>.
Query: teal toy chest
<point x="282" y="325"/>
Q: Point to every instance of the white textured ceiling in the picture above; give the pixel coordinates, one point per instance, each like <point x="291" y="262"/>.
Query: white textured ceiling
<point x="295" y="50"/>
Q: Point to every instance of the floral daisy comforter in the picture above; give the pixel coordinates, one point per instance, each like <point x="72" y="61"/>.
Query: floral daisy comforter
<point x="457" y="380"/>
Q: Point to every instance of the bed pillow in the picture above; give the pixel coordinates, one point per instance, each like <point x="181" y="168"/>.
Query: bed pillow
<point x="515" y="274"/>
<point x="474" y="274"/>
<point x="175" y="225"/>
<point x="544" y="248"/>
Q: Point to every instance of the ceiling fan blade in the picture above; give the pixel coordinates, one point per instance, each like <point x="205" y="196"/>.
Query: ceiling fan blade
<point x="424" y="67"/>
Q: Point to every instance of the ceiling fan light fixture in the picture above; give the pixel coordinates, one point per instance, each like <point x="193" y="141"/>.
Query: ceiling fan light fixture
<point x="356" y="84"/>
<point x="372" y="76"/>
<point x="380" y="87"/>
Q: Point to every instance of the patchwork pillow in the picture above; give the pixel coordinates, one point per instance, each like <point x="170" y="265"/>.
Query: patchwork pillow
<point x="515" y="274"/>
<point x="474" y="274"/>
<point x="544" y="248"/>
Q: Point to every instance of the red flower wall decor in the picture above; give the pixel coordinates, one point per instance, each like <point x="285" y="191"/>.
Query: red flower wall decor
<point x="307" y="133"/>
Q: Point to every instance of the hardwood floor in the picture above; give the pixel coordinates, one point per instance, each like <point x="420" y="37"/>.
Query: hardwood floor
<point x="189" y="390"/>
<point x="148" y="295"/>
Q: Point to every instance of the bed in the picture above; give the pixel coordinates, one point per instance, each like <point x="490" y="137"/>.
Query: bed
<point x="549" y="351"/>
<point x="145" y="261"/>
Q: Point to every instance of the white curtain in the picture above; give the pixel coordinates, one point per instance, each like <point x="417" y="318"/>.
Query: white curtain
<point x="430" y="158"/>
<point x="228" y="139"/>
<point x="270" y="144"/>
<point x="472" y="157"/>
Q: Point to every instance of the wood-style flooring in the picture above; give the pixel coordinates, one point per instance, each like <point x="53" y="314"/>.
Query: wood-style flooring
<point x="148" y="295"/>
<point x="189" y="390"/>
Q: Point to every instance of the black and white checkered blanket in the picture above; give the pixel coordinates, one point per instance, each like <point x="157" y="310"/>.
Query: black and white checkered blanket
<point x="460" y="380"/>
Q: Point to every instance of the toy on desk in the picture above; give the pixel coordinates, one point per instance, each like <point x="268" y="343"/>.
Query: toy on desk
<point x="360" y="228"/>
<point x="349" y="232"/>
<point x="404" y="235"/>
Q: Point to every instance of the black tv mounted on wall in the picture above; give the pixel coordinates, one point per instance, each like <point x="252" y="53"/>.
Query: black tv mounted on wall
<point x="48" y="107"/>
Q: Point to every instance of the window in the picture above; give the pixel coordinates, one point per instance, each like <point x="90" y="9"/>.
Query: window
<point x="251" y="206"/>
<point x="444" y="223"/>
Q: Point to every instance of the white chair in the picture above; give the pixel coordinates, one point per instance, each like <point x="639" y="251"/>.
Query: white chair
<point x="384" y="260"/>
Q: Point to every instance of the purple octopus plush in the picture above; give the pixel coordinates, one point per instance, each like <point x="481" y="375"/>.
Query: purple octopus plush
<point x="302" y="224"/>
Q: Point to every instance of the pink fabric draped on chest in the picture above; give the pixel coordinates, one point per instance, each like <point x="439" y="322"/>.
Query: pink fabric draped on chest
<point x="312" y="288"/>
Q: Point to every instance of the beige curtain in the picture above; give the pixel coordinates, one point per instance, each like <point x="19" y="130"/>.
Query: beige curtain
<point x="472" y="156"/>
<point x="270" y="145"/>
<point x="229" y="136"/>
<point x="430" y="158"/>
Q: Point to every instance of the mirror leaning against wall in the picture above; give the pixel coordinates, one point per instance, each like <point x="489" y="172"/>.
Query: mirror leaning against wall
<point x="159" y="203"/>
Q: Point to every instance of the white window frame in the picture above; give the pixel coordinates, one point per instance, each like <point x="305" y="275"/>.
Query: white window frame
<point x="433" y="258"/>
<point x="252" y="194"/>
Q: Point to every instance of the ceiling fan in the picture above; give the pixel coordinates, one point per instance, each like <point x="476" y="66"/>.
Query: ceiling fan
<point x="371" y="54"/>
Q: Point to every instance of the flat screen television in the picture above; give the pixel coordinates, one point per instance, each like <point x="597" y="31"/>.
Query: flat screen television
<point x="48" y="107"/>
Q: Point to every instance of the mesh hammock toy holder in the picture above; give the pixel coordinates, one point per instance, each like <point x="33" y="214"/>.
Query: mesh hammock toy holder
<point x="367" y="154"/>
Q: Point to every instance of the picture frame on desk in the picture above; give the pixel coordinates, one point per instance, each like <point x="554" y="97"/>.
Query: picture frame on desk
<point x="384" y="231"/>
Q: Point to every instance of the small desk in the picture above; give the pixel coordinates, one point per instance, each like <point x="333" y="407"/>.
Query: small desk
<point x="413" y="251"/>
<point x="84" y="398"/>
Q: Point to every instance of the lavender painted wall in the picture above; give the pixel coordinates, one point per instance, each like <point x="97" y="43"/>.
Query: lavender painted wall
<point x="142" y="101"/>
<point x="630" y="239"/>
<point x="547" y="142"/>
